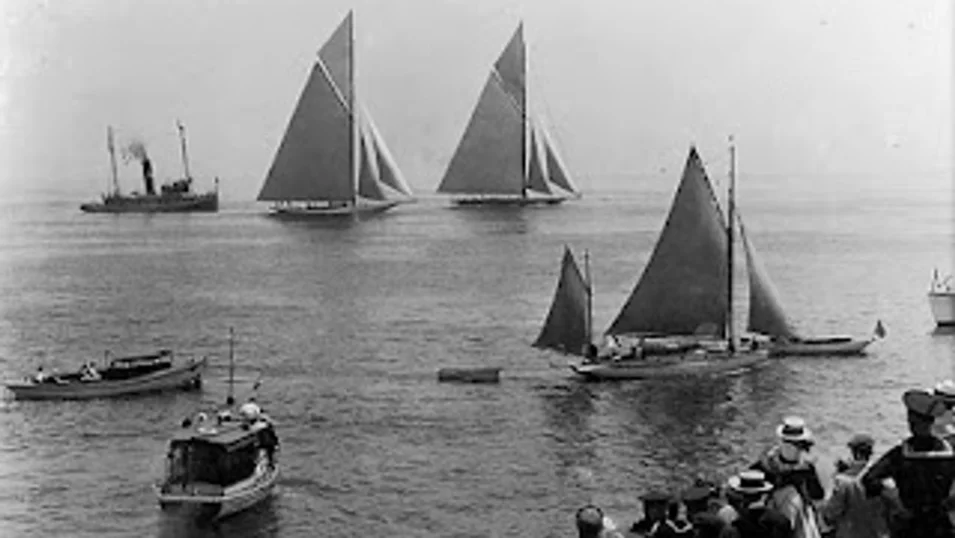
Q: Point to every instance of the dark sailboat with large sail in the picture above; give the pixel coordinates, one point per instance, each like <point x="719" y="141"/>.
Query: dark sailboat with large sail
<point x="679" y="315"/>
<point x="175" y="197"/>
<point x="506" y="156"/>
<point x="768" y="317"/>
<point x="332" y="160"/>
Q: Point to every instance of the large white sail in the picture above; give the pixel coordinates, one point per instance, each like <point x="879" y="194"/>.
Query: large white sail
<point x="489" y="159"/>
<point x="556" y="171"/>
<point x="389" y="172"/>
<point x="536" y="173"/>
<point x="314" y="158"/>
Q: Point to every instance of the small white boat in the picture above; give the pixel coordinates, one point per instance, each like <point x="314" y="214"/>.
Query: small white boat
<point x="124" y="376"/>
<point x="222" y="463"/>
<point x="218" y="467"/>
<point x="941" y="299"/>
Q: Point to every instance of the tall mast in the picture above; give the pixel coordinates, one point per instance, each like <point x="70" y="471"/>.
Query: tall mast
<point x="524" y="123"/>
<point x="731" y="204"/>
<point x="182" y="144"/>
<point x="231" y="399"/>
<point x="590" y="298"/>
<point x="112" y="157"/>
<point x="353" y="126"/>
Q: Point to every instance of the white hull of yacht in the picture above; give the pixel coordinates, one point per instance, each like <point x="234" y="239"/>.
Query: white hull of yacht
<point x="820" y="347"/>
<point x="943" y="308"/>
<point x="696" y="363"/>
<point x="234" y="499"/>
<point x="349" y="210"/>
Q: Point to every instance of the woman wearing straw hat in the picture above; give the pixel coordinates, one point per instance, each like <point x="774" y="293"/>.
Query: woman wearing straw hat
<point x="748" y="492"/>
<point x="792" y="471"/>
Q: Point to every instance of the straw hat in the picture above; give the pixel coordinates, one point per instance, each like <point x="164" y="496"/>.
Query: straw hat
<point x="945" y="391"/>
<point x="794" y="430"/>
<point x="749" y="481"/>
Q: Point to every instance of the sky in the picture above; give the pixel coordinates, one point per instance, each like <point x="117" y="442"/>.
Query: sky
<point x="813" y="90"/>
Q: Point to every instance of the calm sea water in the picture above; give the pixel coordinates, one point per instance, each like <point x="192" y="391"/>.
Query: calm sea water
<point x="348" y="323"/>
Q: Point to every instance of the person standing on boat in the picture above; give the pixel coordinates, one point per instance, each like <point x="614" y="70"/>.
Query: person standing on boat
<point x="848" y="510"/>
<point x="923" y="469"/>
<point x="250" y="410"/>
<point x="792" y="471"/>
<point x="40" y="376"/>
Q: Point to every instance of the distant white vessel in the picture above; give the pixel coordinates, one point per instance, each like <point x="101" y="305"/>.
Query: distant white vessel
<point x="505" y="154"/>
<point x="941" y="299"/>
<point x="332" y="160"/>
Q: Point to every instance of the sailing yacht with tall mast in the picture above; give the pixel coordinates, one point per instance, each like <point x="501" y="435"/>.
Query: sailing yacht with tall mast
<point x="681" y="311"/>
<point x="506" y="156"/>
<point x="332" y="160"/>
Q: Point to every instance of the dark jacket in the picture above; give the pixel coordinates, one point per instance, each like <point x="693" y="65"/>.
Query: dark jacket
<point x="759" y="523"/>
<point x="923" y="469"/>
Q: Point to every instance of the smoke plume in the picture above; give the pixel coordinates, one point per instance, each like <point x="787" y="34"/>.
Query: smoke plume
<point x="135" y="150"/>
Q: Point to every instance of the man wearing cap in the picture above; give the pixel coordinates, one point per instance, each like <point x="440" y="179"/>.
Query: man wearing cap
<point x="923" y="469"/>
<point x="848" y="509"/>
<point x="792" y="471"/>
<point x="749" y="493"/>
<point x="654" y="511"/>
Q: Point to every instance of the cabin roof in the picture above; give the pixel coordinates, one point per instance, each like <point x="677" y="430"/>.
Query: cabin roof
<point x="225" y="434"/>
<point x="162" y="354"/>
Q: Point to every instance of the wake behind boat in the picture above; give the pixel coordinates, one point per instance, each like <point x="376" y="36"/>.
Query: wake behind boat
<point x="315" y="171"/>
<point x="175" y="197"/>
<point x="505" y="156"/>
<point x="681" y="310"/>
<point x="123" y="376"/>
<point x="222" y="462"/>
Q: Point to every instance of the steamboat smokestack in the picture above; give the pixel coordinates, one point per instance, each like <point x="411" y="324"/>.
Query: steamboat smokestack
<point x="148" y="175"/>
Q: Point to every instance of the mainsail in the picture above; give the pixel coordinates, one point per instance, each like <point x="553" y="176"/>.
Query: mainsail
<point x="766" y="314"/>
<point x="683" y="287"/>
<point x="316" y="160"/>
<point x="567" y="326"/>
<point x="500" y="152"/>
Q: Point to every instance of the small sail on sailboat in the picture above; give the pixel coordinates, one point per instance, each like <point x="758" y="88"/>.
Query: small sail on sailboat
<point x="767" y="317"/>
<point x="332" y="157"/>
<point x="680" y="308"/>
<point x="506" y="156"/>
<point x="568" y="325"/>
